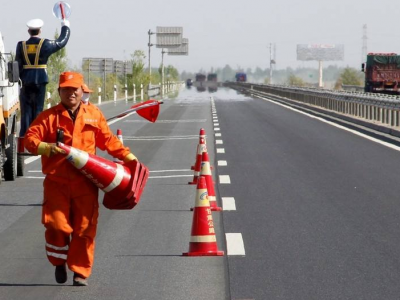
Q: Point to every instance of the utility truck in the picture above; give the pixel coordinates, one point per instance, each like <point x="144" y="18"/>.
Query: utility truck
<point x="11" y="165"/>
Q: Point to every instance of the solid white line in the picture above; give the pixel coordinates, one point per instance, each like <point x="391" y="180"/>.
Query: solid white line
<point x="228" y="203"/>
<point x="222" y="163"/>
<point x="160" y="139"/>
<point x="163" y="171"/>
<point x="224" y="179"/>
<point x="219" y="142"/>
<point x="220" y="150"/>
<point x="218" y="134"/>
<point x="234" y="244"/>
<point x="170" y="176"/>
<point x="150" y="177"/>
<point x="394" y="147"/>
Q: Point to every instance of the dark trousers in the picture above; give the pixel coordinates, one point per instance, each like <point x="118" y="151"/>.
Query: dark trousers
<point x="32" y="101"/>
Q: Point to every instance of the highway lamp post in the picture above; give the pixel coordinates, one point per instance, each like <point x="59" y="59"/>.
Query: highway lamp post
<point x="150" y="44"/>
<point x="162" y="71"/>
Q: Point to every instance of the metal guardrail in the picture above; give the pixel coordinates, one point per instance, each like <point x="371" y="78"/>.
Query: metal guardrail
<point x="376" y="109"/>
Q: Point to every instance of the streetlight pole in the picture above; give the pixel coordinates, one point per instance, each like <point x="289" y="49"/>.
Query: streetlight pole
<point x="162" y="70"/>
<point x="150" y="44"/>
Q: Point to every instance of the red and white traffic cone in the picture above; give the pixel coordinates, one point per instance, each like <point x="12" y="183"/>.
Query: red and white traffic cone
<point x="202" y="140"/>
<point x="201" y="147"/>
<point x="203" y="241"/>
<point x="122" y="184"/>
<point x="119" y="136"/>
<point x="206" y="172"/>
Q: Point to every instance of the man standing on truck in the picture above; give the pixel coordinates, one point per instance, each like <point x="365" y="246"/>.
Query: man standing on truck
<point x="32" y="56"/>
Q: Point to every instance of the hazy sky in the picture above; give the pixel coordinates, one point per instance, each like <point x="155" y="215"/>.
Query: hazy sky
<point x="220" y="32"/>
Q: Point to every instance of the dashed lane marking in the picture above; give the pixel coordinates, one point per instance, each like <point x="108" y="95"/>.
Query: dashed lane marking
<point x="234" y="244"/>
<point x="217" y="129"/>
<point x="224" y="179"/>
<point x="228" y="203"/>
<point x="222" y="163"/>
<point x="219" y="142"/>
<point x="218" y="134"/>
<point x="220" y="150"/>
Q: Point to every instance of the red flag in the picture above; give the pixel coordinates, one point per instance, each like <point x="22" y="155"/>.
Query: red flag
<point x="149" y="113"/>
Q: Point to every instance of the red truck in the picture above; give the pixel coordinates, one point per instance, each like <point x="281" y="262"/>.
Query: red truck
<point x="382" y="73"/>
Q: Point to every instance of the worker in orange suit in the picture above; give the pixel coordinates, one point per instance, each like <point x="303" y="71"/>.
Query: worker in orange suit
<point x="70" y="204"/>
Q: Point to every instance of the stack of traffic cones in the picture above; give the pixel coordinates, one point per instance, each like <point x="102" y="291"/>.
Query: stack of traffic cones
<point x="122" y="184"/>
<point x="203" y="241"/>
<point x="201" y="147"/>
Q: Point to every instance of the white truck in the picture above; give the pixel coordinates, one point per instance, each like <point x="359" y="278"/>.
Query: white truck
<point x="11" y="164"/>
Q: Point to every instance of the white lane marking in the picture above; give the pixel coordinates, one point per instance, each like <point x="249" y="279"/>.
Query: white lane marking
<point x="150" y="177"/>
<point x="219" y="142"/>
<point x="394" y="147"/>
<point x="222" y="163"/>
<point x="234" y="244"/>
<point x="31" y="159"/>
<point x="217" y="129"/>
<point x="216" y="124"/>
<point x="159" y="138"/>
<point x="168" y="121"/>
<point x="35" y="171"/>
<point x="215" y="121"/>
<point x="163" y="171"/>
<point x="220" y="150"/>
<point x="224" y="179"/>
<point x="215" y="117"/>
<point x="218" y="134"/>
<point x="228" y="203"/>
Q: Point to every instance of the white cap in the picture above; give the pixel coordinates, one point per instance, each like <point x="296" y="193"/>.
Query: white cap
<point x="35" y="24"/>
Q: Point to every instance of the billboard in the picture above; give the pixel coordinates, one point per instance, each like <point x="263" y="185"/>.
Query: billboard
<point x="181" y="50"/>
<point x="320" y="52"/>
<point x="169" y="37"/>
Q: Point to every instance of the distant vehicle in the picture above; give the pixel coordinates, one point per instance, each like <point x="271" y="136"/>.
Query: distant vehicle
<point x="200" y="77"/>
<point x="382" y="73"/>
<point x="241" y="77"/>
<point x="189" y="82"/>
<point x="212" y="77"/>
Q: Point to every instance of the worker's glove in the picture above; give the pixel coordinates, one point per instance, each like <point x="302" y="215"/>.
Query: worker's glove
<point x="129" y="157"/>
<point x="49" y="149"/>
<point x="65" y="23"/>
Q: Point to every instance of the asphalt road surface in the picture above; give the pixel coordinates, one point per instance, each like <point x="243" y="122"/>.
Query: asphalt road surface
<point x="311" y="211"/>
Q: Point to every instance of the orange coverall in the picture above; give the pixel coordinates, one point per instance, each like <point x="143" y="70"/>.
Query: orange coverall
<point x="70" y="204"/>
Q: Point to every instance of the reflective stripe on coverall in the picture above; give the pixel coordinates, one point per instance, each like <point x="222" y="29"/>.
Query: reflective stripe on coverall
<point x="70" y="206"/>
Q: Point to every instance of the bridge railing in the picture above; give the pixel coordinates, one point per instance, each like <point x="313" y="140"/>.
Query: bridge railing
<point x="372" y="108"/>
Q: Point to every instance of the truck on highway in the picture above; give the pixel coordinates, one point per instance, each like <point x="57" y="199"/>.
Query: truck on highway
<point x="200" y="77"/>
<point x="213" y="77"/>
<point x="11" y="165"/>
<point x="241" y="77"/>
<point x="382" y="73"/>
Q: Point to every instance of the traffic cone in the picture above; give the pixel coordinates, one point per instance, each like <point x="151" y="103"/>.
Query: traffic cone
<point x="122" y="183"/>
<point x="202" y="140"/>
<point x="203" y="241"/>
<point x="119" y="136"/>
<point x="206" y="172"/>
<point x="201" y="147"/>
